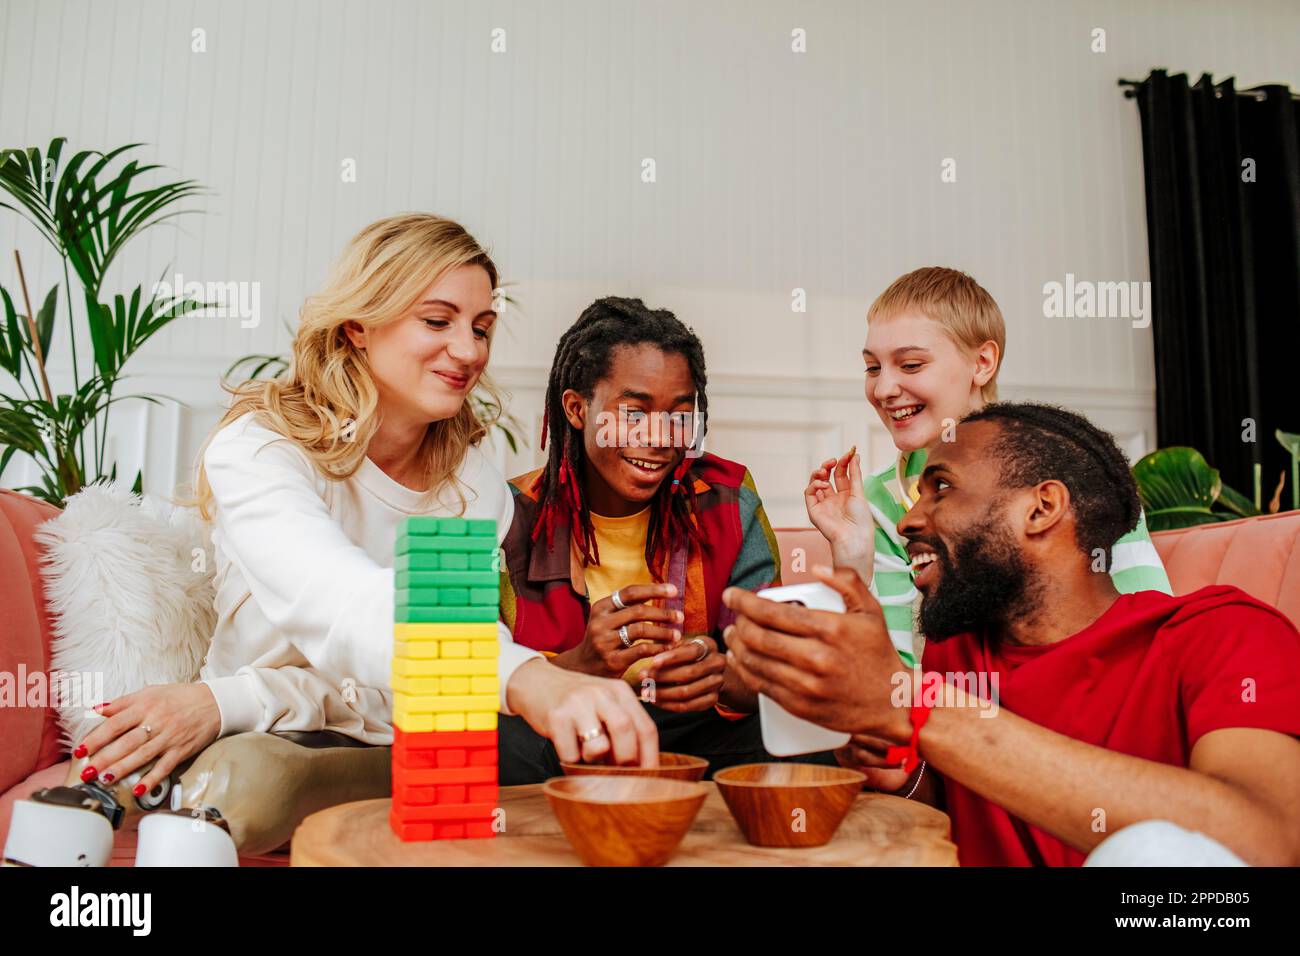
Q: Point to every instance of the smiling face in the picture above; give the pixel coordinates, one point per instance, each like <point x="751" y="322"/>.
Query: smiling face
<point x="967" y="554"/>
<point x="917" y="377"/>
<point x="427" y="361"/>
<point x="625" y="466"/>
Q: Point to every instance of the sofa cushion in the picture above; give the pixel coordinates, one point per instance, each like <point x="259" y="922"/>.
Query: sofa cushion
<point x="1259" y="555"/>
<point x="30" y="735"/>
<point x="801" y="549"/>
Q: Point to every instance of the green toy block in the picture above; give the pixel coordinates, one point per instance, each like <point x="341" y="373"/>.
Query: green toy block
<point x="447" y="579"/>
<point x="414" y="543"/>
<point x="455" y="561"/>
<point x="432" y="597"/>
<point x="481" y="597"/>
<point x="446" y="615"/>
<point x="426" y="525"/>
<point x="422" y="561"/>
<point x="485" y="562"/>
<point x="421" y="525"/>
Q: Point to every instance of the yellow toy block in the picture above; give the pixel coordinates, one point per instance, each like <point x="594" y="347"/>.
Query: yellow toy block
<point x="420" y="686"/>
<point x="415" y="723"/>
<point x="445" y="632"/>
<point x="454" y="685"/>
<point x="444" y="704"/>
<point x="466" y="667"/>
<point x="427" y="650"/>
<point x="449" y="649"/>
<point x="481" y="721"/>
<point x="485" y="650"/>
<point x="485" y="685"/>
<point x="452" y="722"/>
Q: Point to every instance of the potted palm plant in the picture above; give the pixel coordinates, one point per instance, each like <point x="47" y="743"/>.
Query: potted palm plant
<point x="87" y="208"/>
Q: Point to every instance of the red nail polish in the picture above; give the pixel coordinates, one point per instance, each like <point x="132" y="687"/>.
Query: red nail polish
<point x="80" y="751"/>
<point x="109" y="778"/>
<point x="138" y="790"/>
<point x="89" y="774"/>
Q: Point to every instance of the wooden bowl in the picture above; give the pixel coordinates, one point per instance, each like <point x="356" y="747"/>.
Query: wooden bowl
<point x="624" y="821"/>
<point x="671" y="766"/>
<point x="788" y="804"/>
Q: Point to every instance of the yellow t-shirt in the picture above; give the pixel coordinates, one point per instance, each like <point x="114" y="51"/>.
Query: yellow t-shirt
<point x="621" y="546"/>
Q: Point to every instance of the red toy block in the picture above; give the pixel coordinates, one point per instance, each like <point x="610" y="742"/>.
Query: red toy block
<point x="451" y="813"/>
<point x="412" y="832"/>
<point x="454" y="794"/>
<point x="430" y="759"/>
<point x="449" y="831"/>
<point x="442" y="739"/>
<point x="448" y="759"/>
<point x="482" y="793"/>
<point x="402" y="777"/>
<point x="479" y="829"/>
<point x="409" y="796"/>
<point x="445" y="794"/>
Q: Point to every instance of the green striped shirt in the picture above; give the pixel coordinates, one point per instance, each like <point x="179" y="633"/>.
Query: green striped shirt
<point x="1135" y="565"/>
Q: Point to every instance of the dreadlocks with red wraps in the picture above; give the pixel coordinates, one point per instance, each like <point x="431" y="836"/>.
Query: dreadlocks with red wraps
<point x="582" y="357"/>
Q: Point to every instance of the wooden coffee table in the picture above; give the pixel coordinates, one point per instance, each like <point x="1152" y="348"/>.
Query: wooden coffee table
<point x="878" y="831"/>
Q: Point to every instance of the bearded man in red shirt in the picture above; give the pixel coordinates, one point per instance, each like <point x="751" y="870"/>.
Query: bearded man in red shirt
<point x="1100" y="711"/>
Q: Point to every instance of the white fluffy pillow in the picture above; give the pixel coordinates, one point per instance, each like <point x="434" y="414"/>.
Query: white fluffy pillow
<point x="129" y="583"/>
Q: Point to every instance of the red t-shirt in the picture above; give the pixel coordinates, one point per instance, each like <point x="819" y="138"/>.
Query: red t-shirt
<point x="1148" y="678"/>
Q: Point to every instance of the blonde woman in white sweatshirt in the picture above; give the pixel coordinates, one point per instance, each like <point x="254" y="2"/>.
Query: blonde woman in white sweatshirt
<point x="305" y="481"/>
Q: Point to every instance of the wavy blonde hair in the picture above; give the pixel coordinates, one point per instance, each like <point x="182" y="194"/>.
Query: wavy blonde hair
<point x="326" y="401"/>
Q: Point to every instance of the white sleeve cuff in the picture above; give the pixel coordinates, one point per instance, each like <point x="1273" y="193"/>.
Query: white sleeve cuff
<point x="238" y="702"/>
<point x="511" y="656"/>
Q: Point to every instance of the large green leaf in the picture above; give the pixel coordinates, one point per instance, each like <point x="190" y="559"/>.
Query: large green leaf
<point x="45" y="320"/>
<point x="1234" y="501"/>
<point x="1178" y="488"/>
<point x="119" y="330"/>
<point x="91" y="208"/>
<point x="11" y="338"/>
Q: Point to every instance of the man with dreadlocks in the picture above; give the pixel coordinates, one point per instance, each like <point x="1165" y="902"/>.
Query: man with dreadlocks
<point x="1167" y="721"/>
<point x="622" y="544"/>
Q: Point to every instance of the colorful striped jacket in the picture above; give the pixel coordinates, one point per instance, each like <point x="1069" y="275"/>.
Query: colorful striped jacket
<point x="1135" y="564"/>
<point x="544" y="594"/>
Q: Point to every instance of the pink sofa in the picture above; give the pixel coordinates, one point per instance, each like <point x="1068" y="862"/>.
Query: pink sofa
<point x="1259" y="555"/>
<point x="30" y="753"/>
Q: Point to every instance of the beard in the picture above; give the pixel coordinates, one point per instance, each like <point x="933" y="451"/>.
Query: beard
<point x="983" y="583"/>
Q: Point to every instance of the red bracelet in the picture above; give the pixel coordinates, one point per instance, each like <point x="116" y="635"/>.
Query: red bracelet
<point x="920" y="713"/>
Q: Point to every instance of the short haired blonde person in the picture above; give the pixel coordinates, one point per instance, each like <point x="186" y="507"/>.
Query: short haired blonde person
<point x="305" y="481"/>
<point x="935" y="342"/>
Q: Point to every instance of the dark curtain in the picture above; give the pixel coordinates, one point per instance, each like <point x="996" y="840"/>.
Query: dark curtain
<point x="1225" y="269"/>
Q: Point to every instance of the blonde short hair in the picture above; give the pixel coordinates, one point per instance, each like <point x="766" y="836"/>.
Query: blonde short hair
<point x="957" y="302"/>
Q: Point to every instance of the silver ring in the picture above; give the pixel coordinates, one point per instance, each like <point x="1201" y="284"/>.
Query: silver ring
<point x="704" y="648"/>
<point x="148" y="731"/>
<point x="623" y="636"/>
<point x="617" y="600"/>
<point x="591" y="735"/>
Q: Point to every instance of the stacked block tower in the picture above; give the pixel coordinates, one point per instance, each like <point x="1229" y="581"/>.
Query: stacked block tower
<point x="445" y="686"/>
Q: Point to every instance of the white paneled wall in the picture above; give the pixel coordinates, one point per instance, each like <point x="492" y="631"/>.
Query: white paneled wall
<point x="775" y="170"/>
